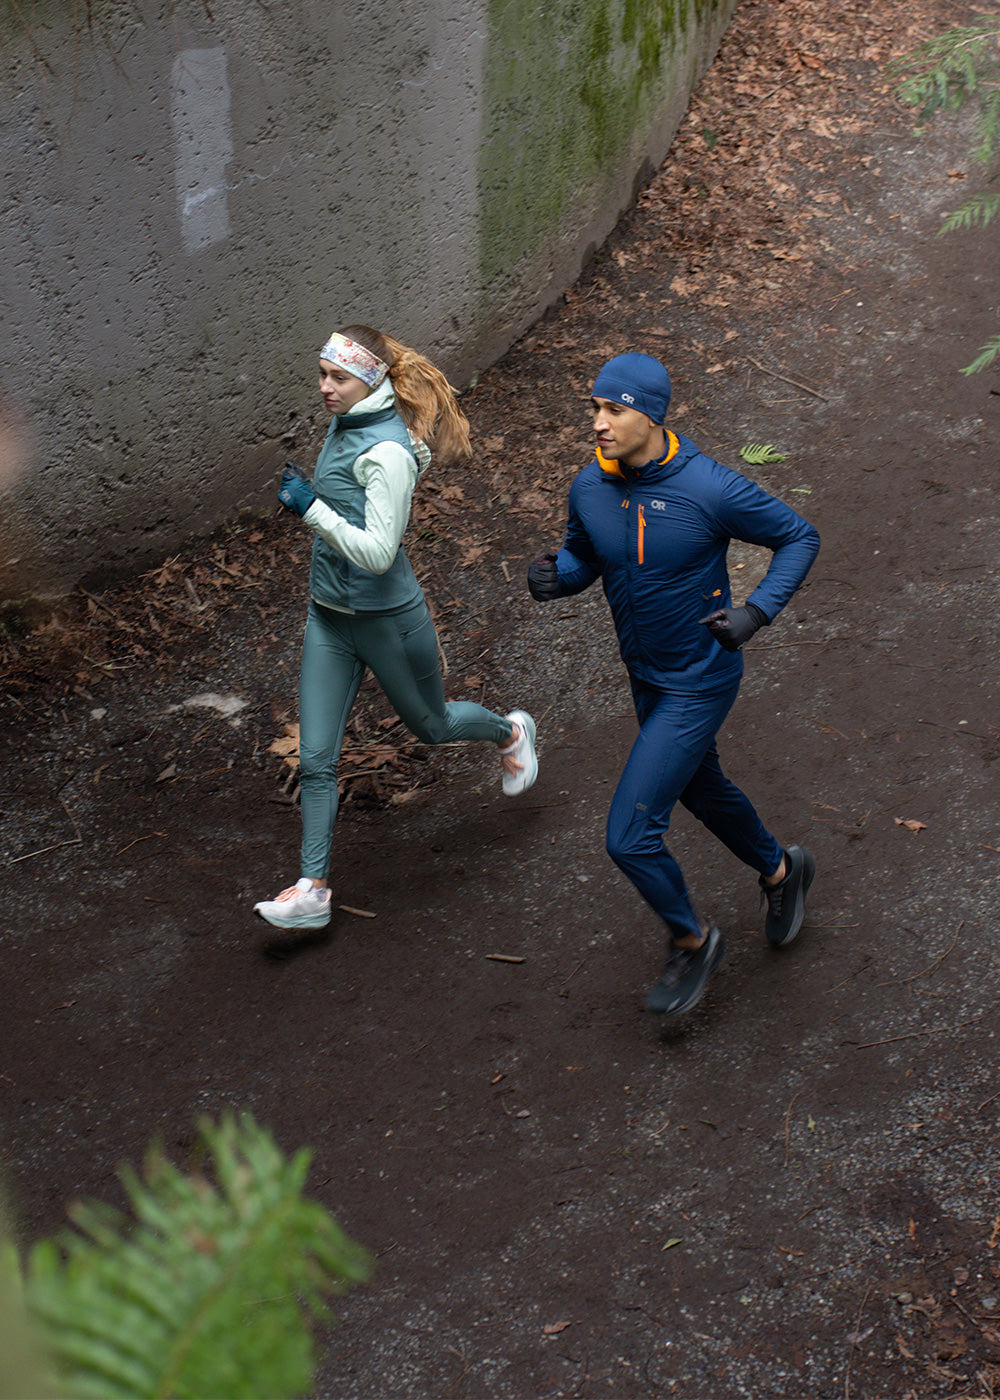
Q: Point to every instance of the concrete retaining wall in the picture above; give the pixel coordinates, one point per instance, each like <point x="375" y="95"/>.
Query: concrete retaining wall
<point x="193" y="196"/>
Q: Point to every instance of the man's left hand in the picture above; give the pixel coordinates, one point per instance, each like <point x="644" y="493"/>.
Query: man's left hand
<point x="543" y="579"/>
<point x="731" y="627"/>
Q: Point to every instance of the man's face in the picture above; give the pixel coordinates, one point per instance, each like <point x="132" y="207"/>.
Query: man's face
<point x="624" y="434"/>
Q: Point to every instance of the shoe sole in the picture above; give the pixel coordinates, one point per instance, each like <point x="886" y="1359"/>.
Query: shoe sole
<point x="699" y="991"/>
<point x="808" y="875"/>
<point x="526" y="777"/>
<point x="302" y="921"/>
<point x="525" y="780"/>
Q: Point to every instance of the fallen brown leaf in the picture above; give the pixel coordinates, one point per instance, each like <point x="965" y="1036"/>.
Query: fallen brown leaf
<point x="287" y="747"/>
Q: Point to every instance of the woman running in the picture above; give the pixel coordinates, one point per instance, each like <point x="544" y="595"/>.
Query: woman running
<point x="367" y="610"/>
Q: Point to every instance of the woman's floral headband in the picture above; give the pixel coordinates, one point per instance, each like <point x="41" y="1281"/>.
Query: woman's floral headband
<point x="349" y="355"/>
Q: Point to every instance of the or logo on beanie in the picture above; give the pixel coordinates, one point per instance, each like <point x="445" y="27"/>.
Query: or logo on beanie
<point x="638" y="381"/>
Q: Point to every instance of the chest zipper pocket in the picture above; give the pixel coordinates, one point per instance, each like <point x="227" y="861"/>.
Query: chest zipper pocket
<point x="642" y="531"/>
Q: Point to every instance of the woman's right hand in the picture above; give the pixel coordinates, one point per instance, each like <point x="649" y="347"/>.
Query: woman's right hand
<point x="296" y="493"/>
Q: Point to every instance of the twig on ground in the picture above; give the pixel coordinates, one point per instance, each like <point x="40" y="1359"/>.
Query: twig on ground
<point x="774" y="91"/>
<point x="571" y="976"/>
<point x="811" y="1211"/>
<point x="851" y="975"/>
<point x="854" y="1337"/>
<point x="953" y="729"/>
<point x="137" y="840"/>
<point x="965" y="1312"/>
<point x="785" y="379"/>
<point x="902" y="981"/>
<point x="932" y="1030"/>
<point x="74" y="841"/>
<point x="788" y="1119"/>
<point x="536" y="807"/>
<point x="99" y="603"/>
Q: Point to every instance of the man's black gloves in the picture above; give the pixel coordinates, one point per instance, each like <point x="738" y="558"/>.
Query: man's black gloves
<point x="731" y="627"/>
<point x="543" y="579"/>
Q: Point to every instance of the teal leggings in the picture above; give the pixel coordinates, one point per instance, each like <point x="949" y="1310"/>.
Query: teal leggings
<point x="401" y="651"/>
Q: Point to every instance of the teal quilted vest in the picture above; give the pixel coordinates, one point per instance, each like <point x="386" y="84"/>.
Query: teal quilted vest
<point x="334" y="579"/>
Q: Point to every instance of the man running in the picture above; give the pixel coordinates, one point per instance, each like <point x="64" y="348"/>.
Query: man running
<point x="652" y="517"/>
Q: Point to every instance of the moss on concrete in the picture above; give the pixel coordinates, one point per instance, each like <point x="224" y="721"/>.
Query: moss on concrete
<point x="567" y="88"/>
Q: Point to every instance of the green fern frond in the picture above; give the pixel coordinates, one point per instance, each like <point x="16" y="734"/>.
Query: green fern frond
<point x="961" y="65"/>
<point x="210" y="1291"/>
<point x="20" y="1363"/>
<point x="987" y="355"/>
<point x="988" y="127"/>
<point x="760" y="454"/>
<point x="976" y="212"/>
<point x="947" y="70"/>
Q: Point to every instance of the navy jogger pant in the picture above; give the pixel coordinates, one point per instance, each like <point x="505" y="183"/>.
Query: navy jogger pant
<point x="675" y="759"/>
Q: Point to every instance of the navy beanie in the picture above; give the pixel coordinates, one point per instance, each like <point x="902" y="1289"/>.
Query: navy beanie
<point x="637" y="381"/>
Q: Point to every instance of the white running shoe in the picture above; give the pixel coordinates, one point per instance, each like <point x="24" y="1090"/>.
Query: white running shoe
<point x="303" y="905"/>
<point x="520" y="763"/>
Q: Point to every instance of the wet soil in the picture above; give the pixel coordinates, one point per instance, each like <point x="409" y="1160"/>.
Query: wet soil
<point x="791" y="1193"/>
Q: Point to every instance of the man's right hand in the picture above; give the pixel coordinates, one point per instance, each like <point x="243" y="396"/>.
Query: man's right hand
<point x="543" y="579"/>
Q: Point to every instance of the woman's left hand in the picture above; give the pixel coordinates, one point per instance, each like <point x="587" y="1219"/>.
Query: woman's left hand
<point x="295" y="493"/>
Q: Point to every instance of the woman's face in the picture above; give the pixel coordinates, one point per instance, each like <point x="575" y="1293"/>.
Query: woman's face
<point x="340" y="390"/>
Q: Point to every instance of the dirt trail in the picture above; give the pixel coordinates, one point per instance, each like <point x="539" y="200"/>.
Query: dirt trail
<point x="792" y="1195"/>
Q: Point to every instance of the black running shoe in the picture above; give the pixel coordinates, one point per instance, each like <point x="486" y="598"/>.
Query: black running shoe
<point x="786" y="903"/>
<point x="682" y="982"/>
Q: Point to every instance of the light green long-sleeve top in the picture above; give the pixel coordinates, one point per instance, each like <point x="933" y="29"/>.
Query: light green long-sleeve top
<point x="387" y="474"/>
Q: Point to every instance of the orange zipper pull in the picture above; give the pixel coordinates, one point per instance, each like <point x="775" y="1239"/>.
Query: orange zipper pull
<point x="642" y="531"/>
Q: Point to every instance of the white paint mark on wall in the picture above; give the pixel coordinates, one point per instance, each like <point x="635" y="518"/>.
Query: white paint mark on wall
<point x="203" y="145"/>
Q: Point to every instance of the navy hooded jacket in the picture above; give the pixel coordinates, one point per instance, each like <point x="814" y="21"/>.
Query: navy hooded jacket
<point x="657" y="538"/>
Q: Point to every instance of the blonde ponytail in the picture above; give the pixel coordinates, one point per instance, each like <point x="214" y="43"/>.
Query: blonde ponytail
<point x="425" y="399"/>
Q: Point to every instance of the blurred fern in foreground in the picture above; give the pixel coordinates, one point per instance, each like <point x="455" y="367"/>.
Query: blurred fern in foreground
<point x="959" y="66"/>
<point x="211" y="1291"/>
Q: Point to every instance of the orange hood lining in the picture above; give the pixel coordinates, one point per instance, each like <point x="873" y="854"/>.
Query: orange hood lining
<point x="610" y="464"/>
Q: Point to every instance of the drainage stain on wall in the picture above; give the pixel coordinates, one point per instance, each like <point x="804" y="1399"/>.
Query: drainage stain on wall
<point x="203" y="145"/>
